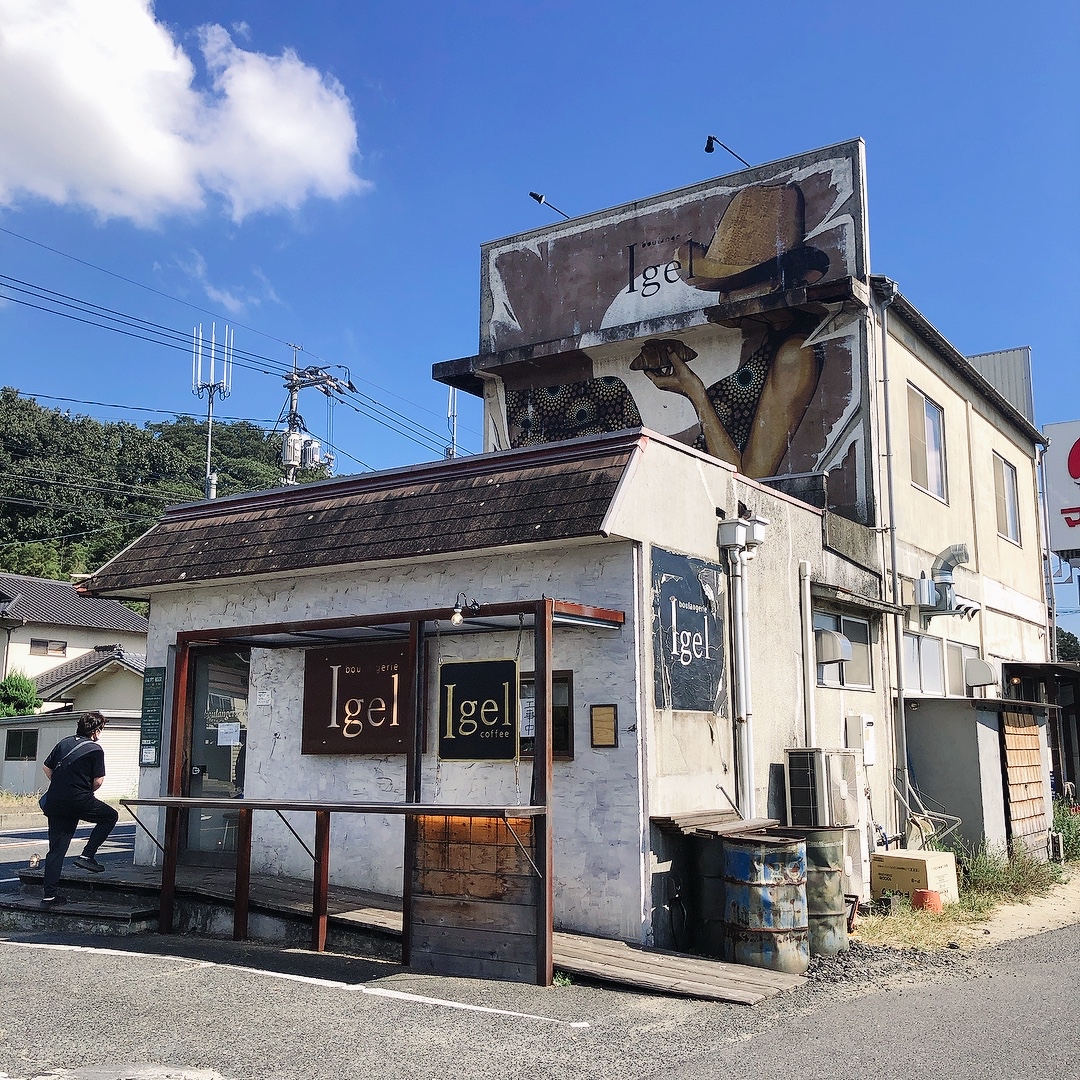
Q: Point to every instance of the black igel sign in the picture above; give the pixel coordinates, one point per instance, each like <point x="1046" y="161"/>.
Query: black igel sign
<point x="688" y="633"/>
<point x="478" y="710"/>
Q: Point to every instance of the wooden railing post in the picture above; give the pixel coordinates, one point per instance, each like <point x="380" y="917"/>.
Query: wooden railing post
<point x="241" y="896"/>
<point x="545" y="900"/>
<point x="321" y="885"/>
<point x="168" y="869"/>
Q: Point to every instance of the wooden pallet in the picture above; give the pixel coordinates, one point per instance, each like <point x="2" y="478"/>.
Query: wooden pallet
<point x="669" y="973"/>
<point x="713" y="823"/>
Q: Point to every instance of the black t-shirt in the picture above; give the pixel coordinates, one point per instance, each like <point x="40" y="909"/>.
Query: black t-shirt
<point x="73" y="780"/>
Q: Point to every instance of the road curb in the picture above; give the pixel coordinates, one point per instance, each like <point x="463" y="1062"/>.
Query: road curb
<point x="23" y="821"/>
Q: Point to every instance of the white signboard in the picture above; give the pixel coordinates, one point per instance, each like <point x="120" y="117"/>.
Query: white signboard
<point x="1061" y="469"/>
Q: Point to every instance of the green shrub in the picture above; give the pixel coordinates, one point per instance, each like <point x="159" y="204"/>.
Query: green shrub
<point x="1067" y="822"/>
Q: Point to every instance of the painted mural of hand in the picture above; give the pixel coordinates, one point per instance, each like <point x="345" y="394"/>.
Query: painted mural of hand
<point x="666" y="363"/>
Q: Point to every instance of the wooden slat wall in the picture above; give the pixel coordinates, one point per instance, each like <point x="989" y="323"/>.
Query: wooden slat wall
<point x="1024" y="781"/>
<point x="474" y="899"/>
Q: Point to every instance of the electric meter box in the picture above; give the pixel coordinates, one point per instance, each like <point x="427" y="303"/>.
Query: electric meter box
<point x="860" y="736"/>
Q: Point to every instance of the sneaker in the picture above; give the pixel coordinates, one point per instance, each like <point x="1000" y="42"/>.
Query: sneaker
<point x="88" y="862"/>
<point x="53" y="901"/>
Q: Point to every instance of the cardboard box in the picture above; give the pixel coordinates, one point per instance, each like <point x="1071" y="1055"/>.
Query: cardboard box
<point x="906" y="871"/>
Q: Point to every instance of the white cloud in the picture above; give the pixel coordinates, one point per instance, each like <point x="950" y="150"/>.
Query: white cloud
<point x="235" y="299"/>
<point x="101" y="107"/>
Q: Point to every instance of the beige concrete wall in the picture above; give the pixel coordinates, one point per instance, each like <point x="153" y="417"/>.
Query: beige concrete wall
<point x="1005" y="578"/>
<point x="79" y="641"/>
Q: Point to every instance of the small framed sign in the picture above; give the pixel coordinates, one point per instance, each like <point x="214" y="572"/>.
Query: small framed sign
<point x="153" y="714"/>
<point x="357" y="700"/>
<point x="604" y="725"/>
<point x="478" y="710"/>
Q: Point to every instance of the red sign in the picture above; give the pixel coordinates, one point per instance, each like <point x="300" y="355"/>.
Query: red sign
<point x="357" y="700"/>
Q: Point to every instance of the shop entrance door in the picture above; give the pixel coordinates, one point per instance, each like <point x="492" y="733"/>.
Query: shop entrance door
<point x="217" y="755"/>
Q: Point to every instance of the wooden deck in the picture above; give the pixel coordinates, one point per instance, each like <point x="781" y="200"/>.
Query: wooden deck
<point x="614" y="962"/>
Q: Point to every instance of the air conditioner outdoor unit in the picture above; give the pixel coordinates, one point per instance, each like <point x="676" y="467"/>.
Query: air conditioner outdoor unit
<point x="822" y="787"/>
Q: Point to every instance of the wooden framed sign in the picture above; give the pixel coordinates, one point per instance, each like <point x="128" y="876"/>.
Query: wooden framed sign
<point x="357" y="700"/>
<point x="478" y="710"/>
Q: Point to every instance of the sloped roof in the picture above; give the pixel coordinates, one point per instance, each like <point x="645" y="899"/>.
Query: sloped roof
<point x="64" y="677"/>
<point x="558" y="491"/>
<point x="56" y="603"/>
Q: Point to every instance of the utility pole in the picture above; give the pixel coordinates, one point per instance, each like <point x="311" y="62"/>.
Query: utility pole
<point x="213" y="387"/>
<point x="299" y="450"/>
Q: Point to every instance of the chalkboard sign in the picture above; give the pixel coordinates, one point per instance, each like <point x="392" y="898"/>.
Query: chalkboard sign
<point x="153" y="713"/>
<point x="478" y="710"/>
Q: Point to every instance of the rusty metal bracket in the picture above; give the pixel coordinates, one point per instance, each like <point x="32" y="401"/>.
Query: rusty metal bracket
<point x="311" y="854"/>
<point x="143" y="827"/>
<point x="522" y="846"/>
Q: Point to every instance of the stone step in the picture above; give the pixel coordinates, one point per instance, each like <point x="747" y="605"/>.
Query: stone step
<point x="85" y="911"/>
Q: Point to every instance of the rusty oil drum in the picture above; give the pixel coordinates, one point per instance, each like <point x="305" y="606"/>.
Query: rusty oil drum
<point x="765" y="911"/>
<point x="826" y="907"/>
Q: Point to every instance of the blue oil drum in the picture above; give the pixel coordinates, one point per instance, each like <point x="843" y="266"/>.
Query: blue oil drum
<point x="765" y="911"/>
<point x="826" y="906"/>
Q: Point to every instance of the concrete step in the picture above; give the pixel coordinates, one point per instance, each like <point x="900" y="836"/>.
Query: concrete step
<point x="85" y="912"/>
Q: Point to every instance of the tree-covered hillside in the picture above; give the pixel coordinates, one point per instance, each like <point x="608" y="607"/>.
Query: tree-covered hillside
<point x="74" y="491"/>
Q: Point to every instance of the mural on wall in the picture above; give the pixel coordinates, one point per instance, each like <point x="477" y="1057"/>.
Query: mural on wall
<point x="688" y="633"/>
<point x="630" y="318"/>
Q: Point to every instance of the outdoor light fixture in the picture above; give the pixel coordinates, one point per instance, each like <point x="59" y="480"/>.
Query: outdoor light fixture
<point x="461" y="605"/>
<point x="542" y="200"/>
<point x="712" y="142"/>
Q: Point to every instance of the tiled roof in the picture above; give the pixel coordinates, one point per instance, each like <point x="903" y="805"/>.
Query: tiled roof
<point x="65" y="676"/>
<point x="555" y="492"/>
<point x="56" y="603"/>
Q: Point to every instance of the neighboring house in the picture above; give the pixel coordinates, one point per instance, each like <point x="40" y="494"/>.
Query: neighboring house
<point x="27" y="740"/>
<point x="778" y="510"/>
<point x="48" y="623"/>
<point x="106" y="677"/>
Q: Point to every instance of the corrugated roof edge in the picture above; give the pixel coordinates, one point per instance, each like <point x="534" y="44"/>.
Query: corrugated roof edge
<point x="953" y="356"/>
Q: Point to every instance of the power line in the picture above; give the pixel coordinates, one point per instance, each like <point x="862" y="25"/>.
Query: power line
<point x="64" y="536"/>
<point x="197" y="307"/>
<point x="139" y="408"/>
<point x="76" y="509"/>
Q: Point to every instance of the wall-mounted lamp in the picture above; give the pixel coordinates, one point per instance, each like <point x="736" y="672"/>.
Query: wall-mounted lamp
<point x="462" y="605"/>
<point x="712" y="142"/>
<point x="542" y="200"/>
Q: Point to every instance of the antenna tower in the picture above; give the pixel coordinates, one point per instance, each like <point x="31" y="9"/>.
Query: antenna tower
<point x="218" y="384"/>
<point x="451" y="422"/>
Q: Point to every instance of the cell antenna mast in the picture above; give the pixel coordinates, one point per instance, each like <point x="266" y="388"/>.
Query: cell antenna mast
<point x="299" y="450"/>
<point x="217" y="383"/>
<point x="451" y="422"/>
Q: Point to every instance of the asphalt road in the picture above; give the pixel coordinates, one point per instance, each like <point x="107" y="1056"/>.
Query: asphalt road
<point x="17" y="845"/>
<point x="195" y="1009"/>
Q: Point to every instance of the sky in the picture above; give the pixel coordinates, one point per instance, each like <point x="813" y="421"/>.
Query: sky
<point x="324" y="174"/>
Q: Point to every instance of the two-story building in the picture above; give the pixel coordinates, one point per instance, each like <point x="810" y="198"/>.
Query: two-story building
<point x="769" y="509"/>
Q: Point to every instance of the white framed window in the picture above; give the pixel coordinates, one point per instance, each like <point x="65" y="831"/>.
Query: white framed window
<point x="926" y="431"/>
<point x="955" y="655"/>
<point x="1008" y="508"/>
<point x="855" y="673"/>
<point x="924" y="665"/>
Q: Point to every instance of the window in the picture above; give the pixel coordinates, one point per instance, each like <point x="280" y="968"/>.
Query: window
<point x="853" y="673"/>
<point x="955" y="655"/>
<point x="926" y="429"/>
<point x="21" y="745"/>
<point x="562" y="714"/>
<point x="924" y="667"/>
<point x="1008" y="512"/>
<point x="41" y="647"/>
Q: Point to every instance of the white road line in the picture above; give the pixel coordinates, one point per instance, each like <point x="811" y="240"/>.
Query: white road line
<point x="5" y="881"/>
<point x="371" y="991"/>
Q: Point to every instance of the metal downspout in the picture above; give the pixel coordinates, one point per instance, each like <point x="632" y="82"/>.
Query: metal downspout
<point x="748" y="708"/>
<point x="1043" y="518"/>
<point x="894" y="573"/>
<point x="738" y="639"/>
<point x="809" y="658"/>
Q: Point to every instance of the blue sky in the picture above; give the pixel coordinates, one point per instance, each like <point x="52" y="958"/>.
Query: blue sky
<point x="325" y="173"/>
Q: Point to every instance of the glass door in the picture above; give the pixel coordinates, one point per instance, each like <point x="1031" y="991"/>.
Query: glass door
<point x="217" y="754"/>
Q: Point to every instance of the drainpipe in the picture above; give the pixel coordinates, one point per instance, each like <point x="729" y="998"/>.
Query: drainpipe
<point x="732" y="540"/>
<point x="894" y="573"/>
<point x="809" y="673"/>
<point x="1043" y="518"/>
<point x="748" y="708"/>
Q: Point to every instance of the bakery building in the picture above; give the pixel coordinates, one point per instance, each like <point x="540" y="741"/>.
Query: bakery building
<point x="734" y="502"/>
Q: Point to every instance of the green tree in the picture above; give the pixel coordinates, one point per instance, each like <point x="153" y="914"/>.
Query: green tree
<point x="1068" y="646"/>
<point x="74" y="491"/>
<point x="18" y="695"/>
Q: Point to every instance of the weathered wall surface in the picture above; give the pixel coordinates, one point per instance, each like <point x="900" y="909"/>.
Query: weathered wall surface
<point x="597" y="814"/>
